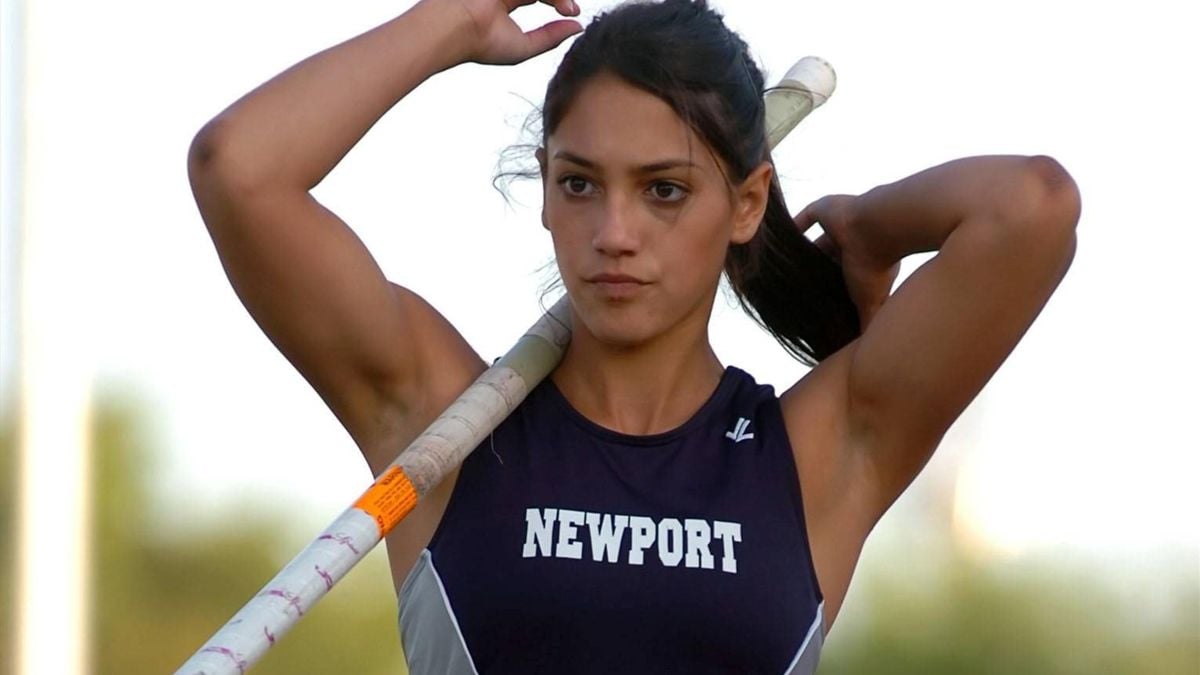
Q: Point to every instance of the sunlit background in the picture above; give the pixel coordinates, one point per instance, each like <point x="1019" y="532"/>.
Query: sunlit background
<point x="159" y="460"/>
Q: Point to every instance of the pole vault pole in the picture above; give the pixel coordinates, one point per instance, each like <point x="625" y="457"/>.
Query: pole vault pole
<point x="439" y="449"/>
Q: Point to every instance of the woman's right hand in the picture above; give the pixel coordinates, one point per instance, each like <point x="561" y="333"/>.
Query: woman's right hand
<point x="498" y="40"/>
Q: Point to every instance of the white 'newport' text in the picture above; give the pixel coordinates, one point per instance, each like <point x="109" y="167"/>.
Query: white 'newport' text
<point x="676" y="541"/>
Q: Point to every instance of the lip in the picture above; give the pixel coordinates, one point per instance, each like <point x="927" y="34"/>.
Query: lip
<point x="614" y="279"/>
<point x="616" y="286"/>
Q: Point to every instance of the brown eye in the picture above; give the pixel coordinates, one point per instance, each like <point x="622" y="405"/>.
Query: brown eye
<point x="668" y="192"/>
<point x="575" y="185"/>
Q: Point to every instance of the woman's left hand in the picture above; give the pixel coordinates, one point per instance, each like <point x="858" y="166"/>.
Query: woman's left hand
<point x="869" y="274"/>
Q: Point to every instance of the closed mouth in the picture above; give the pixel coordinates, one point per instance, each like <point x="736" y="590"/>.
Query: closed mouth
<point x="614" y="279"/>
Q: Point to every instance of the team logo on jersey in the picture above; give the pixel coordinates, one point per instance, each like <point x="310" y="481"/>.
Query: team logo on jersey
<point x="738" y="434"/>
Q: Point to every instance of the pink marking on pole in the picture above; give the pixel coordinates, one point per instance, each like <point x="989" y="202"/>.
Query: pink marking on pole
<point x="292" y="598"/>
<point x="270" y="635"/>
<point x="342" y="539"/>
<point x="325" y="575"/>
<point x="240" y="663"/>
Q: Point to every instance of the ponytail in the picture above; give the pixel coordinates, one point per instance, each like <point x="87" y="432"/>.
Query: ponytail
<point x="791" y="288"/>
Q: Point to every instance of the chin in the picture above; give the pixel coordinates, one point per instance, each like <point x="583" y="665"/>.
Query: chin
<point x="619" y="327"/>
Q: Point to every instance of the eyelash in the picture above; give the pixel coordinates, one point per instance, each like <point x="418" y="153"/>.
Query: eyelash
<point x="682" y="191"/>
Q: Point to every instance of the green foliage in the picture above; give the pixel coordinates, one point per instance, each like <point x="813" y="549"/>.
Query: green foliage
<point x="8" y="536"/>
<point x="158" y="600"/>
<point x="1008" y="618"/>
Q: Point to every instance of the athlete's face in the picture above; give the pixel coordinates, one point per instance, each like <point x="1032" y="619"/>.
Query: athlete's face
<point x="640" y="213"/>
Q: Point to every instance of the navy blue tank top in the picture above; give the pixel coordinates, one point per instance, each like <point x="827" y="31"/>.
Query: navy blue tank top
<point x="571" y="548"/>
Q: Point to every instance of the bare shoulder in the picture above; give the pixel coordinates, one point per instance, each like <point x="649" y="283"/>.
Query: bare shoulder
<point x="837" y="509"/>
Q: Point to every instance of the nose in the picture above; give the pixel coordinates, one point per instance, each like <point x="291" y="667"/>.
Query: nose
<point x="616" y="230"/>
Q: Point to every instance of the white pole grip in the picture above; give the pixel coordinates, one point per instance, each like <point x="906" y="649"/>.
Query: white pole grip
<point x="272" y="612"/>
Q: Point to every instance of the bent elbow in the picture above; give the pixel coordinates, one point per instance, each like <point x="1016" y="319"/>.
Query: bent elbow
<point x="205" y="149"/>
<point x="1043" y="215"/>
<point x="1053" y="195"/>
<point x="214" y="167"/>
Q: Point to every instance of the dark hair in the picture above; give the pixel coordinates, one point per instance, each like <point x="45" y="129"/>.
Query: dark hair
<point x="682" y="52"/>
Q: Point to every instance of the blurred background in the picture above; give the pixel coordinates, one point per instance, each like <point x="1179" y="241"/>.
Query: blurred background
<point x="159" y="460"/>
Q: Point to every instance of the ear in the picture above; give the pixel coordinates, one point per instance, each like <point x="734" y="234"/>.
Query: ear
<point x="751" y="203"/>
<point x="540" y="154"/>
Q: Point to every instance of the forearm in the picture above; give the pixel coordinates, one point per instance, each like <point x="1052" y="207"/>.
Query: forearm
<point x="918" y="213"/>
<point x="292" y="130"/>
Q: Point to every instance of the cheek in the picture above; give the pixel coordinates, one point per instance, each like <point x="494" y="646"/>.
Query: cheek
<point x="697" y="270"/>
<point x="697" y="250"/>
<point x="557" y="221"/>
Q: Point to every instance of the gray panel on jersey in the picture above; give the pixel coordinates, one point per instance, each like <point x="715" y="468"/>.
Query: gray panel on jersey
<point x="428" y="630"/>
<point x="433" y="642"/>
<point x="806" y="659"/>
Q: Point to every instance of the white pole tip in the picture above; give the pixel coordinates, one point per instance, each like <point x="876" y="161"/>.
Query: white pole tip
<point x="814" y="74"/>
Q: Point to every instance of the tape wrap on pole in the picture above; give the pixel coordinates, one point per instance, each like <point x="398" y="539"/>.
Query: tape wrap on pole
<point x="436" y="452"/>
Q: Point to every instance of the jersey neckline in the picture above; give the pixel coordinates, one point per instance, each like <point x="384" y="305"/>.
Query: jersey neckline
<point x="728" y="382"/>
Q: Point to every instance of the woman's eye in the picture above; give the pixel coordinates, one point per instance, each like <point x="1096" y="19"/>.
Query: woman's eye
<point x="575" y="186"/>
<point x="668" y="192"/>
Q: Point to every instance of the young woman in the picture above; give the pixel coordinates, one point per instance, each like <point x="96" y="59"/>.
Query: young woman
<point x="646" y="509"/>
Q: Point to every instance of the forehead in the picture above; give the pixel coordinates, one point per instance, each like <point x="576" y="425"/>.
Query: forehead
<point x="617" y="125"/>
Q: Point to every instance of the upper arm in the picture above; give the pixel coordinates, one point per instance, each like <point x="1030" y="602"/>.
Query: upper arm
<point x="940" y="337"/>
<point x="366" y="345"/>
<point x="863" y="422"/>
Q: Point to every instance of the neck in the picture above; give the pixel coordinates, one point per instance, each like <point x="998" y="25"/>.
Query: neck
<point x="646" y="389"/>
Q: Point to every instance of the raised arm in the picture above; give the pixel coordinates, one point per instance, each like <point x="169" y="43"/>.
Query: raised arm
<point x="377" y="354"/>
<point x="1004" y="232"/>
<point x="867" y="419"/>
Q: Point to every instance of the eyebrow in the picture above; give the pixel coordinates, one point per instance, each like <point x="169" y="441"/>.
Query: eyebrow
<point x="653" y="167"/>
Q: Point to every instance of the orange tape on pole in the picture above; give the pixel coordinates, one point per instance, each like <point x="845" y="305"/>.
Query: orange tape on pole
<point x="388" y="500"/>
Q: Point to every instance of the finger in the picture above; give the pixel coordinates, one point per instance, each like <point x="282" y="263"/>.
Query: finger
<point x="829" y="247"/>
<point x="804" y="220"/>
<point x="807" y="218"/>
<point x="551" y="35"/>
<point x="564" y="7"/>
